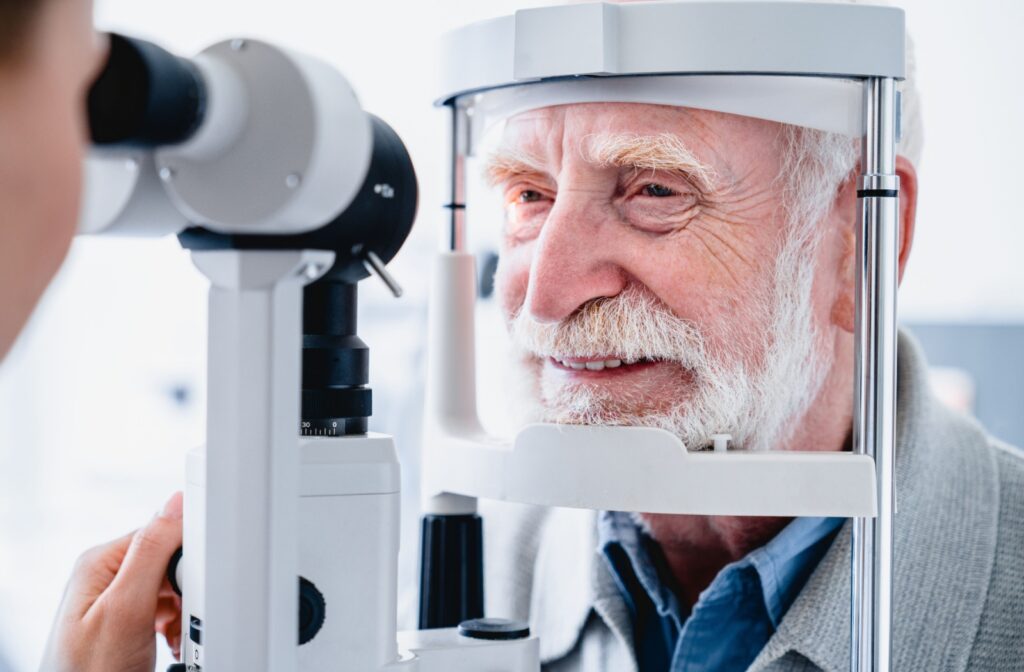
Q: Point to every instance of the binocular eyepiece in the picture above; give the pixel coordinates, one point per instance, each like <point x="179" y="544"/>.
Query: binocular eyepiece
<point x="145" y="96"/>
<point x="263" y="149"/>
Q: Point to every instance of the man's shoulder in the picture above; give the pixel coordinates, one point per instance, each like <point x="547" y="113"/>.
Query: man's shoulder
<point x="1009" y="462"/>
<point x="999" y="644"/>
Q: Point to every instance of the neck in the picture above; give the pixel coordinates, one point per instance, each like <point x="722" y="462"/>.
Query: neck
<point x="696" y="548"/>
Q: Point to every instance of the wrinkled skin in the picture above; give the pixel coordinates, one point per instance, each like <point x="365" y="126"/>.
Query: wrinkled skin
<point x="577" y="230"/>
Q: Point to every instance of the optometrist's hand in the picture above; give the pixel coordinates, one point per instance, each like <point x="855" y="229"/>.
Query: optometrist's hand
<point x="117" y="598"/>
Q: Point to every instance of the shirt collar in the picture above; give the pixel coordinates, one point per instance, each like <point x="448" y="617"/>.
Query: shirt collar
<point x="615" y="528"/>
<point x="782" y="565"/>
<point x="785" y="562"/>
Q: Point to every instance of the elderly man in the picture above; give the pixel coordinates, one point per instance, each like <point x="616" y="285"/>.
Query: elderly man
<point x="708" y="260"/>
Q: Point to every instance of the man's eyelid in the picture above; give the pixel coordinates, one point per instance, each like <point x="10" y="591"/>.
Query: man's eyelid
<point x="677" y="179"/>
<point x="518" y="186"/>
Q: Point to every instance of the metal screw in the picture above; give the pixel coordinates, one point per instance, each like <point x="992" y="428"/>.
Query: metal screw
<point x="167" y="174"/>
<point x="293" y="180"/>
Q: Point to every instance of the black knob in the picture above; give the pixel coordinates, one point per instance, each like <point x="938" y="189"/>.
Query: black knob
<point x="494" y="628"/>
<point x="172" y="571"/>
<point x="312" y="610"/>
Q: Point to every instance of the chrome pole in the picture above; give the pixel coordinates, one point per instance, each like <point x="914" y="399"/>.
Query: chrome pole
<point x="456" y="205"/>
<point x="874" y="428"/>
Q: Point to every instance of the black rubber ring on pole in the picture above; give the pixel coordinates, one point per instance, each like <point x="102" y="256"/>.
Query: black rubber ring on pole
<point x="494" y="629"/>
<point x="878" y="193"/>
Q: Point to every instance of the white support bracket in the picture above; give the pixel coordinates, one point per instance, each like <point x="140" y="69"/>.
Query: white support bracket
<point x="252" y="460"/>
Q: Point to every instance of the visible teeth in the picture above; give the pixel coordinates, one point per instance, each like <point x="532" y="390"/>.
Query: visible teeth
<point x="598" y="365"/>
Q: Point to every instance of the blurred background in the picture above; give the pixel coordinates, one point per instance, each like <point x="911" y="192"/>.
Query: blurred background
<point x="104" y="393"/>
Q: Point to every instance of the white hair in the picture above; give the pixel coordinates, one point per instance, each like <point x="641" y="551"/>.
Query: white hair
<point x="815" y="163"/>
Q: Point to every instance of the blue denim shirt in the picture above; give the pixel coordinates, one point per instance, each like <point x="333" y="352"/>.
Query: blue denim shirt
<point x="734" y="617"/>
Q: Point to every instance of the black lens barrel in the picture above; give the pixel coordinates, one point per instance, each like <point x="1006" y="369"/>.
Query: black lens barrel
<point x="145" y="96"/>
<point x="335" y="361"/>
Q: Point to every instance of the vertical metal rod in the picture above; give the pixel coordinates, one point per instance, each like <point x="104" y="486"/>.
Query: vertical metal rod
<point x="874" y="428"/>
<point x="459" y="147"/>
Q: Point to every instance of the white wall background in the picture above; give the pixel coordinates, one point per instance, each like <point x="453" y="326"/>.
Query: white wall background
<point x="92" y="421"/>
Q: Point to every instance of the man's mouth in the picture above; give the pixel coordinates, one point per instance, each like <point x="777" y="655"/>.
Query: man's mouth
<point x="595" y="365"/>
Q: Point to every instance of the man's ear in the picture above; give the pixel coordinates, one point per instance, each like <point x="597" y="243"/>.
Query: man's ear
<point x="844" y="308"/>
<point x="908" y="208"/>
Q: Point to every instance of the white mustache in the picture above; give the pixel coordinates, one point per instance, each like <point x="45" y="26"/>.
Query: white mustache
<point x="633" y="325"/>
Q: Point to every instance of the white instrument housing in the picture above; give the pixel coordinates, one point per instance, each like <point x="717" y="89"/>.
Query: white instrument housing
<point x="283" y="148"/>
<point x="288" y="145"/>
<point x="348" y="530"/>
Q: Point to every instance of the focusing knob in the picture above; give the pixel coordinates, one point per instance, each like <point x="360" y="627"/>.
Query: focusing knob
<point x="172" y="571"/>
<point x="312" y="610"/>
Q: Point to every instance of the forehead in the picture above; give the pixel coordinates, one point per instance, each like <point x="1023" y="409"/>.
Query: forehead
<point x="550" y="131"/>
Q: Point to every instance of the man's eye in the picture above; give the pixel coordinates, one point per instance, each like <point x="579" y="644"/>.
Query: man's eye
<point x="658" y="191"/>
<point x="529" y="196"/>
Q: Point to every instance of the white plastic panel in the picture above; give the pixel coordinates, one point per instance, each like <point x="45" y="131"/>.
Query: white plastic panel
<point x="648" y="470"/>
<point x="795" y="38"/>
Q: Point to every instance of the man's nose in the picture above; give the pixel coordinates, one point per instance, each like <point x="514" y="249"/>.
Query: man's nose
<point x="572" y="263"/>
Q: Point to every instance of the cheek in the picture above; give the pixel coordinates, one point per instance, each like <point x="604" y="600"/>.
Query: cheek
<point x="57" y="171"/>
<point x="512" y="278"/>
<point x="732" y="314"/>
<point x="45" y="167"/>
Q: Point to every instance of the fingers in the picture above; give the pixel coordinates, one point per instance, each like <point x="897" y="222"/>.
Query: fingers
<point x="143" y="569"/>
<point x="93" y="572"/>
<point x="168" y="621"/>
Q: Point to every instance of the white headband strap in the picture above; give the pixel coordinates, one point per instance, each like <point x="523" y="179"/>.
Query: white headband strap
<point x="826" y="104"/>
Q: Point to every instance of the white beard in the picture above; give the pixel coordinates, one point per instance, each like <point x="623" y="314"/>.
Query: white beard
<point x="759" y="408"/>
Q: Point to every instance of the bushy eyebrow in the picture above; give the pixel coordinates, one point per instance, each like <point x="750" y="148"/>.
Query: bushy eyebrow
<point x="663" y="151"/>
<point x="508" y="162"/>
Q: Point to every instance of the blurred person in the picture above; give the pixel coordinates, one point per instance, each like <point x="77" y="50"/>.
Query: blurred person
<point x="118" y="595"/>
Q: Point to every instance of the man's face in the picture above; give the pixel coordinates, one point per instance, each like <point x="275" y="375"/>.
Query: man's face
<point x="641" y="275"/>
